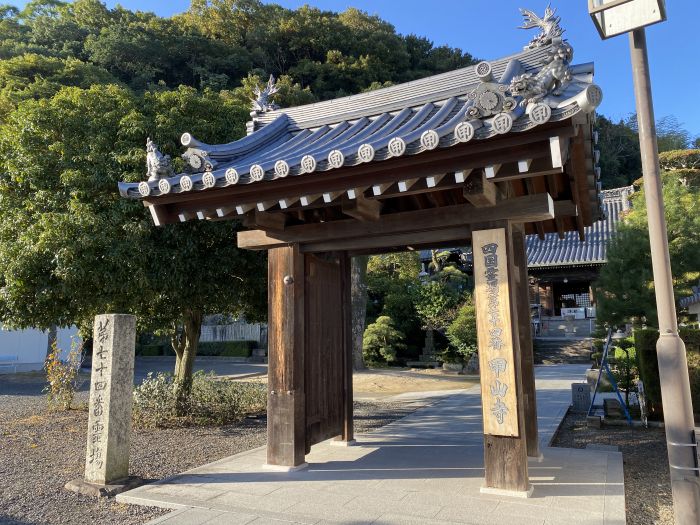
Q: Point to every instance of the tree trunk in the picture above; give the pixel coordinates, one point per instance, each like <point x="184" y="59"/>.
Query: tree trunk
<point x="358" y="286"/>
<point x="185" y="344"/>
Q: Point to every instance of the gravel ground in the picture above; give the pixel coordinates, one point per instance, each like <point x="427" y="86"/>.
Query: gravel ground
<point x="647" y="482"/>
<point x="40" y="452"/>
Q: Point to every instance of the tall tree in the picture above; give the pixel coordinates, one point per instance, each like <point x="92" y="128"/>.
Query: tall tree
<point x="625" y="288"/>
<point x="71" y="247"/>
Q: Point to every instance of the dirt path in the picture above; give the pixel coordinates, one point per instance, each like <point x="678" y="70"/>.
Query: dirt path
<point x="385" y="382"/>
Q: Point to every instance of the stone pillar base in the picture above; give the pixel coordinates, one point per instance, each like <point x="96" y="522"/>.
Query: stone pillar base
<point x="284" y="468"/>
<point x="342" y="443"/>
<point x="104" y="491"/>
<point x="508" y="493"/>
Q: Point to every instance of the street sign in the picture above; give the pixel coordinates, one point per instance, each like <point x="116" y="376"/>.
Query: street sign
<point x="615" y="17"/>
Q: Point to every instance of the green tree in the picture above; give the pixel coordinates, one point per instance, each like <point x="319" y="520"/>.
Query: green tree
<point x="71" y="247"/>
<point x="462" y="330"/>
<point x="625" y="286"/>
<point x="381" y="341"/>
<point x="392" y="285"/>
<point x="39" y="76"/>
<point x="620" y="162"/>
<point x="439" y="298"/>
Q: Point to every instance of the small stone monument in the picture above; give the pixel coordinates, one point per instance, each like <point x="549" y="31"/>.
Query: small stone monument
<point x="580" y="397"/>
<point x="109" y="420"/>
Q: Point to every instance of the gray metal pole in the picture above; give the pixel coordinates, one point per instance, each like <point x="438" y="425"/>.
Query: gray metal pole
<point x="673" y="367"/>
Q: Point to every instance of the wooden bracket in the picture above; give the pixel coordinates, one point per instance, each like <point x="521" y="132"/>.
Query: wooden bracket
<point x="480" y="191"/>
<point x="361" y="208"/>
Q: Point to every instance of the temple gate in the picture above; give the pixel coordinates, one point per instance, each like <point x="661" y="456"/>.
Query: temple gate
<point x="484" y="154"/>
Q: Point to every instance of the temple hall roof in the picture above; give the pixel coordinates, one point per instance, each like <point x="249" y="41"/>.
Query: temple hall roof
<point x="553" y="251"/>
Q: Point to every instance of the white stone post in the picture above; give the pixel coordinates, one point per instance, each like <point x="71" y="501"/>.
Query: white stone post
<point x="109" y="420"/>
<point x="111" y="385"/>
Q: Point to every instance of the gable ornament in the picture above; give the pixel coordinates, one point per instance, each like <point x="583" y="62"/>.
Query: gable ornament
<point x="158" y="166"/>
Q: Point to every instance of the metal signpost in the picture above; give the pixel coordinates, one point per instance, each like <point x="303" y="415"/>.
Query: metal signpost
<point x="611" y="18"/>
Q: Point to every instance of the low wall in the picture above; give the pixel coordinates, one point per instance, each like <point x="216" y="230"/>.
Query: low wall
<point x="559" y="327"/>
<point x="30" y="347"/>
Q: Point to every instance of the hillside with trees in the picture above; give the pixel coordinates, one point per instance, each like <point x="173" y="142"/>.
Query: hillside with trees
<point x="82" y="87"/>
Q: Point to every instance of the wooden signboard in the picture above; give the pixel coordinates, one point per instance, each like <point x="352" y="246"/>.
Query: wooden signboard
<point x="495" y="333"/>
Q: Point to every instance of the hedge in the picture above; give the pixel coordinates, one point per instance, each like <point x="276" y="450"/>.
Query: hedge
<point x="688" y="159"/>
<point x="227" y="348"/>
<point x="218" y="348"/>
<point x="645" y="344"/>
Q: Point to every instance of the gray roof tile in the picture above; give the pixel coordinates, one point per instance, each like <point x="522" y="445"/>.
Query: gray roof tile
<point x="570" y="251"/>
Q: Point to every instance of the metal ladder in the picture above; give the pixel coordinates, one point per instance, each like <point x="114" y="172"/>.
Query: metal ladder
<point x="604" y="366"/>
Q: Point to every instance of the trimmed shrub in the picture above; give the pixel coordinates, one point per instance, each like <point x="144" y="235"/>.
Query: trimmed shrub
<point x="462" y="331"/>
<point x="694" y="374"/>
<point x="691" y="338"/>
<point x="211" y="401"/>
<point x="681" y="159"/>
<point x="227" y="348"/>
<point x="645" y="345"/>
<point x="381" y="341"/>
<point x="150" y="350"/>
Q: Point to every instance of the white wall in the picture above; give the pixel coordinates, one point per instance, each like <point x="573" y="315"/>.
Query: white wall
<point x="30" y="346"/>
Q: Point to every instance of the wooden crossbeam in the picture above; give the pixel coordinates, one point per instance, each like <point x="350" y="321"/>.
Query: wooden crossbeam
<point x="535" y="168"/>
<point x="406" y="185"/>
<point x="441" y="183"/>
<point x="559" y="148"/>
<point x="330" y="196"/>
<point x="492" y="170"/>
<point x="287" y="202"/>
<point x="524" y="165"/>
<point x="391" y="241"/>
<point x="265" y="221"/>
<point x="159" y="215"/>
<point x="242" y="209"/>
<point x="433" y="180"/>
<point x="530" y="208"/>
<point x="565" y="209"/>
<point x="461" y="175"/>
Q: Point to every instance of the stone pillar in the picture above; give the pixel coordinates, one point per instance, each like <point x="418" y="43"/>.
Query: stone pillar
<point x="109" y="421"/>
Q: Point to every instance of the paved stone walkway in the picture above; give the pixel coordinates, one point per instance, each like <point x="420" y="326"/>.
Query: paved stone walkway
<point x="424" y="469"/>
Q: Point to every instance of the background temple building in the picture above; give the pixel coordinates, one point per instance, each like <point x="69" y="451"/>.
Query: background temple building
<point x="562" y="270"/>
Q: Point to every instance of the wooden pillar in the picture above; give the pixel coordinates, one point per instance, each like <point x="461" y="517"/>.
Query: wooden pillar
<point x="527" y="358"/>
<point x="505" y="448"/>
<point x="286" y="420"/>
<point x="348" y="431"/>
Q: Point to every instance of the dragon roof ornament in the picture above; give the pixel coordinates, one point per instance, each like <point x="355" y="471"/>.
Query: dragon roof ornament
<point x="158" y="166"/>
<point x="263" y="97"/>
<point x="548" y="24"/>
<point x="555" y="75"/>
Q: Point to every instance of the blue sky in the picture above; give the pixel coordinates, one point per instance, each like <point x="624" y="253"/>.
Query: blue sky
<point x="487" y="29"/>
